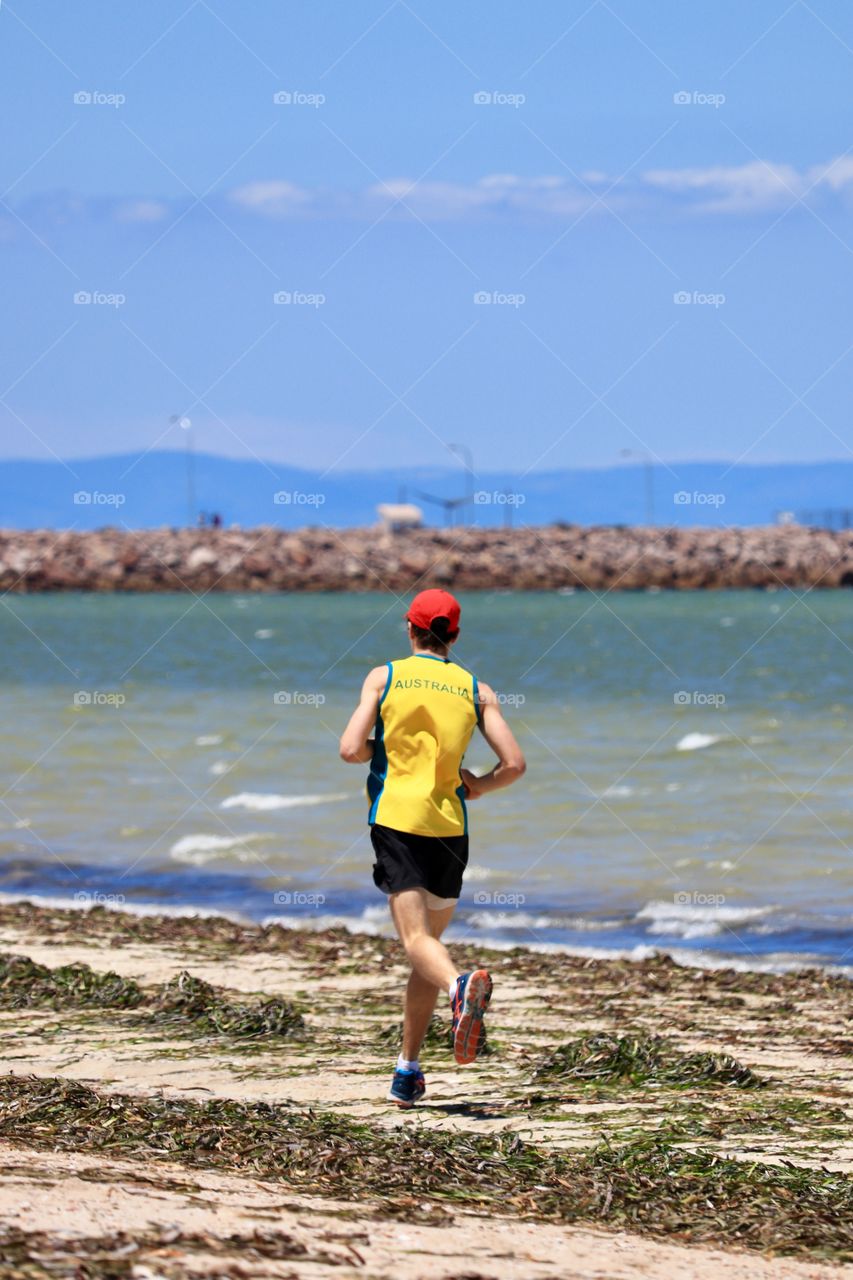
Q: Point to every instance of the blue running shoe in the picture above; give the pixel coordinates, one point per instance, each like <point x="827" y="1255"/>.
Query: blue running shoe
<point x="469" y="1003"/>
<point x="407" y="1088"/>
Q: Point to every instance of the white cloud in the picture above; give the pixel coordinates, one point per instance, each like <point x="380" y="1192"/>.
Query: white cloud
<point x="745" y="188"/>
<point x="752" y="189"/>
<point x="836" y="175"/>
<point x="275" y="199"/>
<point x="141" y="211"/>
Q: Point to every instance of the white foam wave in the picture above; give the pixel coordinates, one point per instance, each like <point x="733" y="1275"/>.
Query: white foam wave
<point x="208" y="740"/>
<point x="510" y="920"/>
<point x="261" y="801"/>
<point x="696" y="741"/>
<point x="114" y="902"/>
<point x="199" y="849"/>
<point x="697" y="920"/>
<point x="496" y="919"/>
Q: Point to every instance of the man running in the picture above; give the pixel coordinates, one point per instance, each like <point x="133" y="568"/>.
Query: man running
<point x="422" y="716"/>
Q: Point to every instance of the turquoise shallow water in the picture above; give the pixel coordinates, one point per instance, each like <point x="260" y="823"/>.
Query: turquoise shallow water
<point x="689" y="784"/>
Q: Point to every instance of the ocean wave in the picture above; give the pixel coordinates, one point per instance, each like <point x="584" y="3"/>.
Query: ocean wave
<point x="697" y="741"/>
<point x="114" y="902"/>
<point x="208" y="740"/>
<point x="199" y="849"/>
<point x="480" y="919"/>
<point x="697" y="920"/>
<point x="260" y="801"/>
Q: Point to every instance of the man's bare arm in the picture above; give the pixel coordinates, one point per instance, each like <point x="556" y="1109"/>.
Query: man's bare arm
<point x="356" y="745"/>
<point x="511" y="763"/>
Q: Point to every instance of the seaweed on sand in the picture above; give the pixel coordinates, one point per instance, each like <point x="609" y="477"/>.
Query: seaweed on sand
<point x="26" y="984"/>
<point x="651" y="1185"/>
<point x="603" y="1058"/>
<point x="186" y="1001"/>
<point x="192" y="1001"/>
<point x="45" y="1255"/>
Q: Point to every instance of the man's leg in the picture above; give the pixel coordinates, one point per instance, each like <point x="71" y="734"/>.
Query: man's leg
<point x="427" y="956"/>
<point x="421" y="995"/>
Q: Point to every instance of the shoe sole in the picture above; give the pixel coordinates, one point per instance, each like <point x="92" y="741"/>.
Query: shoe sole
<point x="401" y="1103"/>
<point x="469" y="1029"/>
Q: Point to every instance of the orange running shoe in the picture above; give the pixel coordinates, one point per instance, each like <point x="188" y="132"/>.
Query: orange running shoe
<point x="469" y="1004"/>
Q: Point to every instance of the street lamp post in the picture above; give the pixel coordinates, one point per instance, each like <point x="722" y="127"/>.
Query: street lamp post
<point x="186" y="425"/>
<point x="462" y="451"/>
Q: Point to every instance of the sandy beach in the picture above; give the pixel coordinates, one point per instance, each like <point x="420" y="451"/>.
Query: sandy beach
<point x="631" y="1119"/>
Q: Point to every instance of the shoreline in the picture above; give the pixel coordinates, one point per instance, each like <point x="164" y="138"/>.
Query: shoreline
<point x="703" y="959"/>
<point x="630" y="1119"/>
<point x="318" y="559"/>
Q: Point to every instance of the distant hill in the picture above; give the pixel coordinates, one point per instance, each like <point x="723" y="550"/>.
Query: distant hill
<point x="153" y="490"/>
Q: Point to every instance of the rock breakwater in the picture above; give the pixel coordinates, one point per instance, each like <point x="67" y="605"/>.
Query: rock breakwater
<point x="268" y="559"/>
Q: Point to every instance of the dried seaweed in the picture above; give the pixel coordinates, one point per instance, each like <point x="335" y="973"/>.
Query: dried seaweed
<point x="192" y="1001"/>
<point x="603" y="1058"/>
<point x="651" y="1185"/>
<point x="26" y="984"/>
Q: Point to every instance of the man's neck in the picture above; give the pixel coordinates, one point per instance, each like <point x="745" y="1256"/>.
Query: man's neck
<point x="429" y="653"/>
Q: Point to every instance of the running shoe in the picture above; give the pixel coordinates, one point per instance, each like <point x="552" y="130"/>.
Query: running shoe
<point x="407" y="1088"/>
<point x="469" y="1003"/>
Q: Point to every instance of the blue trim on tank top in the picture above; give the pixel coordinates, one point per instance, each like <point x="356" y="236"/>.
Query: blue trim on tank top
<point x="379" y="764"/>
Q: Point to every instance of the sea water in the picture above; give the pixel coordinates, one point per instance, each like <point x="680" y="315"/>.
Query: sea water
<point x="689" y="783"/>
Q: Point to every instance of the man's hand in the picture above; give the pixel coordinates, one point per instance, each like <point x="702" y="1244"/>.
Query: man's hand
<point x="471" y="783"/>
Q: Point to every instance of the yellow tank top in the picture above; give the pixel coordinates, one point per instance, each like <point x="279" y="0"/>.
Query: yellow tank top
<point x="426" y="717"/>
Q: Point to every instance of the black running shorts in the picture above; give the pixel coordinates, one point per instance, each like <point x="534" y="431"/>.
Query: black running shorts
<point x="407" y="861"/>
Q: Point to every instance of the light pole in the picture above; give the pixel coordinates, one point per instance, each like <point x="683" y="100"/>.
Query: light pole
<point x="464" y="453"/>
<point x="186" y="425"/>
<point x="648" y="469"/>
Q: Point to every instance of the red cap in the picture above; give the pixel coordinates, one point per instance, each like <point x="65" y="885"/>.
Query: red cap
<point x="432" y="604"/>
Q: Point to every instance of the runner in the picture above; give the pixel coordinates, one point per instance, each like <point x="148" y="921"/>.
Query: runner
<point x="422" y="716"/>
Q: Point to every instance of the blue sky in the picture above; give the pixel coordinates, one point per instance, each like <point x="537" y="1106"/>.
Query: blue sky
<point x="655" y="199"/>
